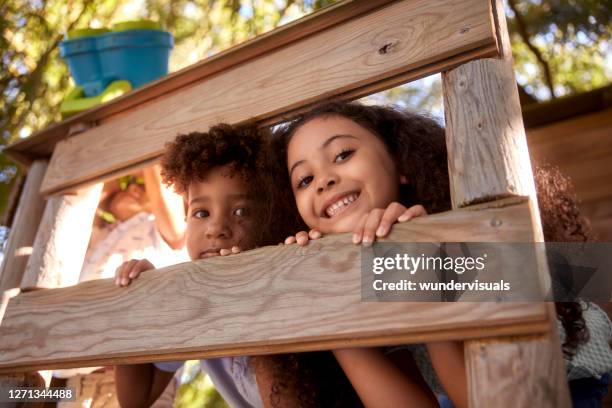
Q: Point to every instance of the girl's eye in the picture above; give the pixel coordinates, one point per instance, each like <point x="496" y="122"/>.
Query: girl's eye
<point x="240" y="212"/>
<point x="304" y="181"/>
<point x="201" y="214"/>
<point x="343" y="155"/>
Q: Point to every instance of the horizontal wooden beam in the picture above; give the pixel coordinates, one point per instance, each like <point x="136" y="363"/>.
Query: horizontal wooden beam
<point x="269" y="300"/>
<point x="401" y="41"/>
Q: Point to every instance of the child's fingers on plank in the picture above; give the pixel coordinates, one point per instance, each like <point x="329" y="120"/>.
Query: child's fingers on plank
<point x="124" y="279"/>
<point x="236" y="249"/>
<point x="140" y="266"/>
<point x="412" y="212"/>
<point x="119" y="273"/>
<point x="225" y="251"/>
<point x="314" y="234"/>
<point x="390" y="217"/>
<point x="302" y="238"/>
<point x="371" y="225"/>
<point x="358" y="230"/>
<point x="290" y="240"/>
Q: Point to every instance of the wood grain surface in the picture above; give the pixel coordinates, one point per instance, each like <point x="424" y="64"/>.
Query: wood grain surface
<point x="488" y="159"/>
<point x="269" y="300"/>
<point x="388" y="43"/>
<point x="516" y="372"/>
<point x="21" y="238"/>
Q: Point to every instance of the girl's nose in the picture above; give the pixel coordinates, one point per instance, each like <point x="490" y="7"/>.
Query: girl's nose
<point x="326" y="183"/>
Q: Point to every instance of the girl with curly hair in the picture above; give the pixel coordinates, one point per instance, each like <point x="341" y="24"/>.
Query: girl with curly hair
<point x="348" y="167"/>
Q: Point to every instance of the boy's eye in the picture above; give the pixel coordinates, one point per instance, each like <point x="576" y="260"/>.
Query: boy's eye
<point x="200" y="214"/>
<point x="343" y="155"/>
<point x="240" y="212"/>
<point x="304" y="181"/>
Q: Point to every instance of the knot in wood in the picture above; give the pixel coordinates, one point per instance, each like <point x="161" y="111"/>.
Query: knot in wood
<point x="496" y="222"/>
<point x="464" y="30"/>
<point x="385" y="49"/>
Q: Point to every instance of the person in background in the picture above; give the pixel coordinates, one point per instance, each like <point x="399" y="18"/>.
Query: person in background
<point x="137" y="217"/>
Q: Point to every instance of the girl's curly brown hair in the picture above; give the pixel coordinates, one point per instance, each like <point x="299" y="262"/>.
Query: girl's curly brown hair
<point x="415" y="142"/>
<point x="562" y="222"/>
<point x="418" y="146"/>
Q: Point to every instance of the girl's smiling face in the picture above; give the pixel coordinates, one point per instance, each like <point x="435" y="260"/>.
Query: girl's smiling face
<point x="339" y="172"/>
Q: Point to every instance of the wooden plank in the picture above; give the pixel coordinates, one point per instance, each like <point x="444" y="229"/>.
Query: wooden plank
<point x="488" y="159"/>
<point x="25" y="225"/>
<point x="42" y="143"/>
<point x="510" y="374"/>
<point x="61" y="241"/>
<point x="487" y="148"/>
<point x="395" y="42"/>
<point x="269" y="300"/>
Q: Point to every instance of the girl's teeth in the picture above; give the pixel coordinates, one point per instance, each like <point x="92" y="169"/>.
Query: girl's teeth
<point x="335" y="207"/>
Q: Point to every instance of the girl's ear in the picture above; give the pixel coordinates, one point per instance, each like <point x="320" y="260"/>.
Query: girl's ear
<point x="403" y="179"/>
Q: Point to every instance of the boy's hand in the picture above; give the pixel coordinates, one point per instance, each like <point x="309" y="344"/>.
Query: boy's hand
<point x="378" y="222"/>
<point x="234" y="250"/>
<point x="303" y="237"/>
<point x="130" y="270"/>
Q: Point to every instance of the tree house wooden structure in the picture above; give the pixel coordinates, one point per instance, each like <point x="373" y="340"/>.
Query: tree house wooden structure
<point x="261" y="301"/>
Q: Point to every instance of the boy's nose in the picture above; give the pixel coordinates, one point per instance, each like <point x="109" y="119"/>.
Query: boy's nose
<point x="218" y="229"/>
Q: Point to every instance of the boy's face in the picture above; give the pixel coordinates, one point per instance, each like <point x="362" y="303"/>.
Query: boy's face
<point x="219" y="214"/>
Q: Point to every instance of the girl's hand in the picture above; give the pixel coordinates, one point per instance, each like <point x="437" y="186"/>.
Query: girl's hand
<point x="378" y="222"/>
<point x="130" y="270"/>
<point x="303" y="237"/>
<point x="234" y="250"/>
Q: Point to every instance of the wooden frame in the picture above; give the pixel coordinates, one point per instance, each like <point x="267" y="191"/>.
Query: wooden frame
<point x="279" y="292"/>
<point x="351" y="49"/>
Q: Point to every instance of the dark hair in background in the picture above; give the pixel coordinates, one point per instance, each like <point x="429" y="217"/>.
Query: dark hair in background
<point x="417" y="144"/>
<point x="562" y="222"/>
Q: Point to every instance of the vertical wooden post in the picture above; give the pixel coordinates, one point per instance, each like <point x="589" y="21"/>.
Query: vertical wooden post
<point x="61" y="242"/>
<point x="23" y="231"/>
<point x="488" y="159"/>
<point x="20" y="242"/>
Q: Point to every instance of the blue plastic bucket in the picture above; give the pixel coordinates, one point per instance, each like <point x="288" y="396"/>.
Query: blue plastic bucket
<point x="139" y="56"/>
<point x="81" y="55"/>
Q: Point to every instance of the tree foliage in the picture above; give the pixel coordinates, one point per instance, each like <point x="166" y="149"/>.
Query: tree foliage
<point x="560" y="46"/>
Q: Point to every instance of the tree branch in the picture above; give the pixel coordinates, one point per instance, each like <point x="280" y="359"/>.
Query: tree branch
<point x="522" y="30"/>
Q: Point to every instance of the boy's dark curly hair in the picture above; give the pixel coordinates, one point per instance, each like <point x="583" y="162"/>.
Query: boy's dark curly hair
<point x="190" y="156"/>
<point x="417" y="144"/>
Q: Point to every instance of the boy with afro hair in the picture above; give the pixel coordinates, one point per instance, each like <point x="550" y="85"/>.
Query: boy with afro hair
<point x="218" y="173"/>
